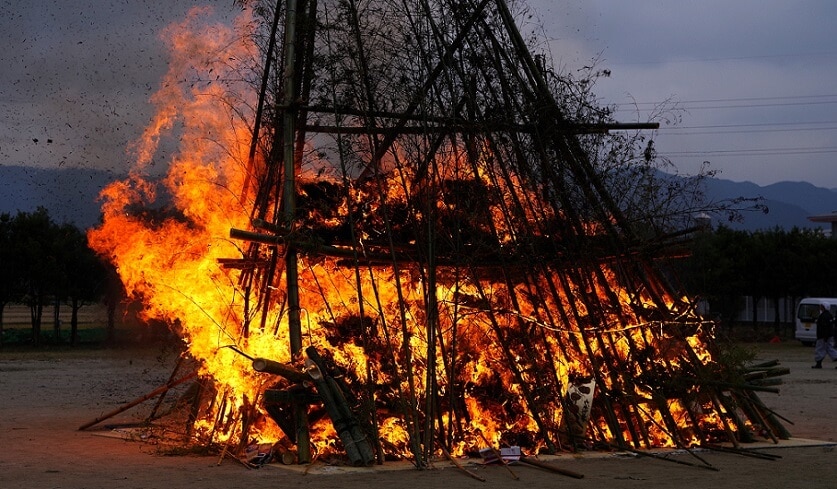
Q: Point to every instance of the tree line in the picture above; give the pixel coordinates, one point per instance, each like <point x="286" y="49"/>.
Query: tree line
<point x="46" y="266"/>
<point x="724" y="265"/>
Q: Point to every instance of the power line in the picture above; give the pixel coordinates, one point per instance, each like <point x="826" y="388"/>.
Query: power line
<point x="732" y="103"/>
<point x="738" y="106"/>
<point x="746" y="99"/>
<point x="732" y="58"/>
<point x="757" y="124"/>
<point x="755" y="131"/>
<point x="753" y="152"/>
<point x="742" y="99"/>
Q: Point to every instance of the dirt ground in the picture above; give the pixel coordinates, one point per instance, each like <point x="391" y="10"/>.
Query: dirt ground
<point x="48" y="396"/>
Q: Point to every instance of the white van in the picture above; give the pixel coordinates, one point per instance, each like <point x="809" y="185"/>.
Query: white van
<point x="806" y="317"/>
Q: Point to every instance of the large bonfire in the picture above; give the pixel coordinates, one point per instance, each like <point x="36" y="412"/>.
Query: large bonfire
<point x="402" y="192"/>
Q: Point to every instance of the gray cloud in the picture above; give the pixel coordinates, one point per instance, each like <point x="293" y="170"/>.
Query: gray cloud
<point x="754" y="78"/>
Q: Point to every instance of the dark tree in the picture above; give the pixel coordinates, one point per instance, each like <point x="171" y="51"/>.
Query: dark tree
<point x="10" y="277"/>
<point x="42" y="264"/>
<point x="33" y="235"/>
<point x="82" y="272"/>
<point x="725" y="265"/>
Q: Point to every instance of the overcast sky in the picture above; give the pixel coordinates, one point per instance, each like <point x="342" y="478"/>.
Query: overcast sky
<point x="753" y="80"/>
<point x="756" y="80"/>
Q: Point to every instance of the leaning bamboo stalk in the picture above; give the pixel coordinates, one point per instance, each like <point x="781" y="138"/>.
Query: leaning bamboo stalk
<point x="532" y="351"/>
<point x="558" y="470"/>
<point x="660" y="399"/>
<point x="534" y="407"/>
<point x="411" y="403"/>
<point x="552" y="361"/>
<point x="619" y="382"/>
<point x="138" y="400"/>
<point x="567" y="318"/>
<point x="546" y="273"/>
<point x="627" y="412"/>
<point x="591" y="184"/>
<point x="597" y="369"/>
<point x="644" y="367"/>
<point x="497" y="454"/>
<point x="672" y="429"/>
<point x="748" y="392"/>
<point x="409" y="406"/>
<point x="419" y="95"/>
<point x="752" y="413"/>
<point x="584" y="277"/>
<point x="531" y="277"/>
<point x="460" y="466"/>
<point x="369" y="400"/>
<point x="769" y="415"/>
<point x="160" y="399"/>
<point x="714" y="395"/>
<point x="408" y="403"/>
<point x="432" y="318"/>
<point x="756" y="401"/>
<point x="589" y="300"/>
<point x="726" y="412"/>
<point x="513" y="367"/>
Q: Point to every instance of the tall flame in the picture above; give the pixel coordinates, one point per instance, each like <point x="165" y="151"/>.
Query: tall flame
<point x="165" y="237"/>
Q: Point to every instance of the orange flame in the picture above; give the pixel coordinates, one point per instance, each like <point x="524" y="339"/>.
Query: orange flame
<point x="170" y="259"/>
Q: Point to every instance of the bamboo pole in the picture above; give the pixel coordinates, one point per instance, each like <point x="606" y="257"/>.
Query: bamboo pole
<point x="460" y="466"/>
<point x="289" y="186"/>
<point x="152" y="415"/>
<point x="420" y="94"/>
<point x="768" y="415"/>
<point x="515" y="369"/>
<point x="138" y="400"/>
<point x="497" y="454"/>
<point x="289" y="116"/>
<point x="537" y="463"/>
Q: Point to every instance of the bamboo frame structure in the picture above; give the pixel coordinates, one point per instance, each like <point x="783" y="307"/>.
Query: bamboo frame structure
<point x="463" y="185"/>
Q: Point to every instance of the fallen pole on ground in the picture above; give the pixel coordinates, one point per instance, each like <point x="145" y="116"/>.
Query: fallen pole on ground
<point x="139" y="400"/>
<point x="551" y="468"/>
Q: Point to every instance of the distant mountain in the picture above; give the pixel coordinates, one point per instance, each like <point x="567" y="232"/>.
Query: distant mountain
<point x="789" y="204"/>
<point x="70" y="195"/>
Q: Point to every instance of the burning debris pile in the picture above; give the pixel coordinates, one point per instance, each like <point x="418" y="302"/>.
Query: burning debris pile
<point x="406" y="240"/>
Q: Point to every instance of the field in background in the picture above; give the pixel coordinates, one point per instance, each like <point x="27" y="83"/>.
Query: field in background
<point x="17" y="316"/>
<point x="92" y="325"/>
